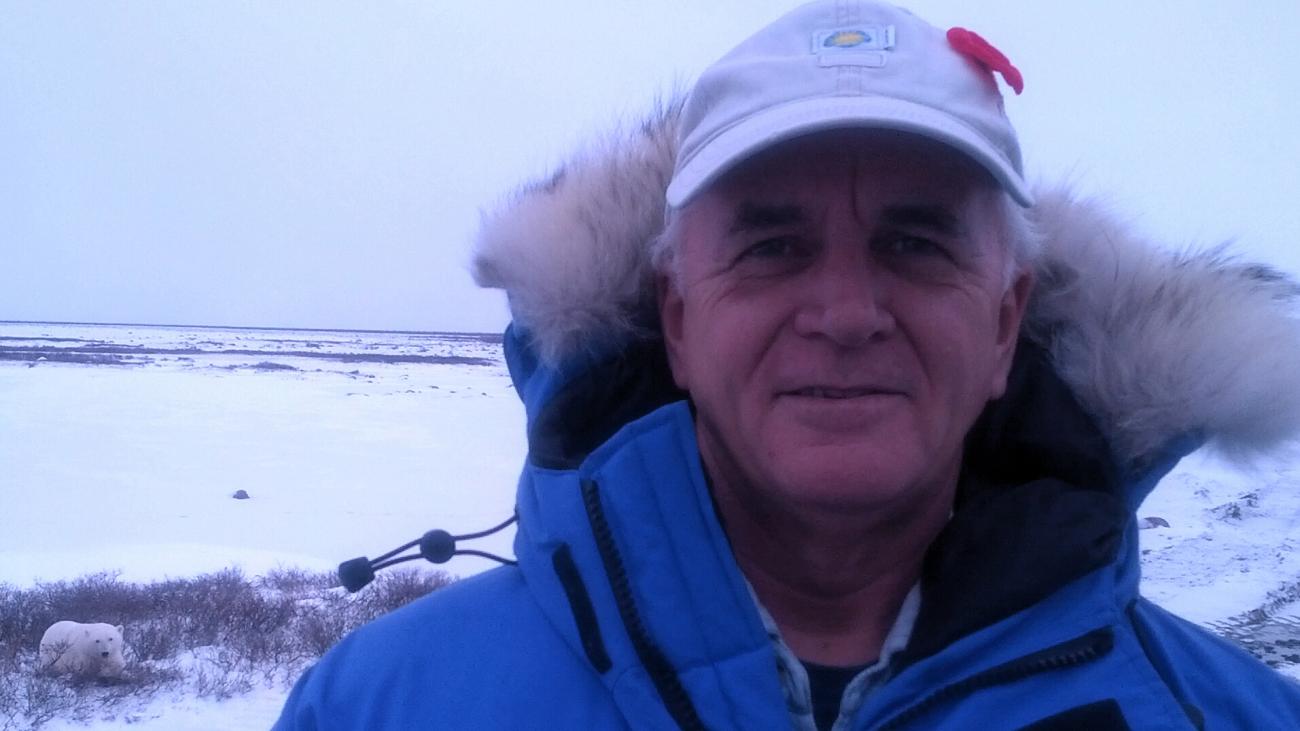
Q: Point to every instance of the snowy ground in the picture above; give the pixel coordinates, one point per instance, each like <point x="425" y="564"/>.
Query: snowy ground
<point x="132" y="466"/>
<point x="129" y="464"/>
<point x="120" y="448"/>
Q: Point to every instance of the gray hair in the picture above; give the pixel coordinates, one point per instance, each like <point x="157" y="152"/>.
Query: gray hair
<point x="1019" y="235"/>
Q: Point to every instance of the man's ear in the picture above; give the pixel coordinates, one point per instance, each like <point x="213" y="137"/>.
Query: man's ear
<point x="1011" y="312"/>
<point x="672" y="310"/>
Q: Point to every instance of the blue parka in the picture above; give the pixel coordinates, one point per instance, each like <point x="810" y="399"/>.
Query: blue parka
<point x="627" y="609"/>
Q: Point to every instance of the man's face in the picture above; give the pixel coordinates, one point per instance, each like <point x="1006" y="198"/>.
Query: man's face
<point x="841" y="319"/>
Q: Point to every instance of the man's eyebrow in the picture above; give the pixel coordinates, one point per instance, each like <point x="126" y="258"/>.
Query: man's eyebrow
<point x="935" y="218"/>
<point x="755" y="216"/>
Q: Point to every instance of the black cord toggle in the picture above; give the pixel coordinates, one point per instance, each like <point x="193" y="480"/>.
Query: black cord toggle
<point x="436" y="546"/>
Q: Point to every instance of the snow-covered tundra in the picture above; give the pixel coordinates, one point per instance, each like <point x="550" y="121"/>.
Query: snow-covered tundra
<point x="85" y="649"/>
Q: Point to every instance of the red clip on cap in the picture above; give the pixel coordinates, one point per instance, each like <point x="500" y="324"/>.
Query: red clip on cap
<point x="973" y="46"/>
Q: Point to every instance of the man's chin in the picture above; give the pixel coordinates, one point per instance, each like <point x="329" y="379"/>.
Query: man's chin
<point x="849" y="484"/>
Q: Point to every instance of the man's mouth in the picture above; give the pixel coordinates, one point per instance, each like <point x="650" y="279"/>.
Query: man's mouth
<point x="834" y="393"/>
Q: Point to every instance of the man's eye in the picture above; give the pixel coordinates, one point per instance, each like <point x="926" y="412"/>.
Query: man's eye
<point x="774" y="248"/>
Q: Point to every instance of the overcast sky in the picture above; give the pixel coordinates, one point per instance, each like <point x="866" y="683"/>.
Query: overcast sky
<point x="321" y="164"/>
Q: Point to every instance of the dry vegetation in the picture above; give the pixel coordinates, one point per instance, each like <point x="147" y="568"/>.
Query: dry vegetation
<point x="214" y="636"/>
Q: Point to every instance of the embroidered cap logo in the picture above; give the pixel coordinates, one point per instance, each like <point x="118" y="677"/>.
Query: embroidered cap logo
<point x="846" y="39"/>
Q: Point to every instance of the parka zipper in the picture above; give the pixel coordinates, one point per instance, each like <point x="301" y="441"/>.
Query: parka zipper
<point x="671" y="691"/>
<point x="1071" y="653"/>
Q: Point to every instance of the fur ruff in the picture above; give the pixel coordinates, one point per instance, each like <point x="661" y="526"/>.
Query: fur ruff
<point x="1155" y="344"/>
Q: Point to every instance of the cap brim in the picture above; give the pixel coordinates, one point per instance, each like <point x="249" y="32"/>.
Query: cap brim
<point x="803" y="117"/>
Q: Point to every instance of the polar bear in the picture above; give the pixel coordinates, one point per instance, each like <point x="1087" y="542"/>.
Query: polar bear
<point x="83" y="649"/>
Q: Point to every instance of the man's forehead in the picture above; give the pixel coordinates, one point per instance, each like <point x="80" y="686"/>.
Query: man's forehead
<point x="750" y="215"/>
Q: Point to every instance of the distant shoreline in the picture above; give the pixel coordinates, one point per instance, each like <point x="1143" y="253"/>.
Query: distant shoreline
<point x="457" y="333"/>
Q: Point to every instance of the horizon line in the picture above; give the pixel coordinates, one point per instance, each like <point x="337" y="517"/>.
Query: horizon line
<point x="245" y="327"/>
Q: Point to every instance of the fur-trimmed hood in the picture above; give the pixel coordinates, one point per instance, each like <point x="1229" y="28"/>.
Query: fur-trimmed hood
<point x="1156" y="345"/>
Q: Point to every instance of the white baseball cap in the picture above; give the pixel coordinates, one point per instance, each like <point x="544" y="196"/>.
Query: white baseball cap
<point x="836" y="64"/>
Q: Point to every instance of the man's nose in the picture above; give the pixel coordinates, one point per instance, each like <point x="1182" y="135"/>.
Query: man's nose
<point x="844" y="301"/>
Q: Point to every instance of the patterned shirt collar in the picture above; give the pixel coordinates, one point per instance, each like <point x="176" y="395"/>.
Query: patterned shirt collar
<point x="794" y="679"/>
